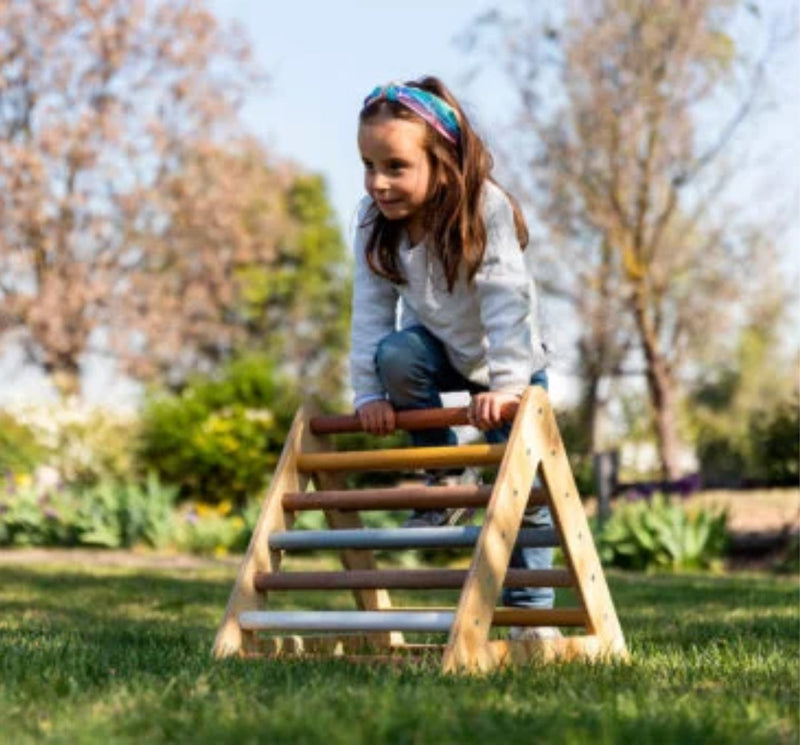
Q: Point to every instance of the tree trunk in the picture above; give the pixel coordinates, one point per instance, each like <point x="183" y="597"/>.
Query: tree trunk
<point x="66" y="377"/>
<point x="661" y="386"/>
<point x="590" y="412"/>
<point x="662" y="395"/>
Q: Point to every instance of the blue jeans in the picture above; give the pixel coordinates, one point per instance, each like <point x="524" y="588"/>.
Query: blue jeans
<point x="414" y="368"/>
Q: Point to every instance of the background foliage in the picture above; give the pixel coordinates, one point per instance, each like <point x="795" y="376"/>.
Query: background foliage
<point x="220" y="437"/>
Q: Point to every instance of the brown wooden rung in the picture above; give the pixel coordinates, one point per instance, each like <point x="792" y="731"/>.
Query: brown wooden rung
<point x="539" y="617"/>
<point x="455" y="416"/>
<point x="400" y="498"/>
<point x="401" y="579"/>
<point x="400" y="458"/>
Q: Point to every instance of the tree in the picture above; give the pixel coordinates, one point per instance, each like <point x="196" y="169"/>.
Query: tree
<point x="136" y="215"/>
<point x="97" y="101"/>
<point x="613" y="152"/>
<point x="300" y="305"/>
<point x="240" y="255"/>
<point x="745" y="409"/>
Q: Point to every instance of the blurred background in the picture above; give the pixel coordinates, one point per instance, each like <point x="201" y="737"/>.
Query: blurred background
<point x="178" y="184"/>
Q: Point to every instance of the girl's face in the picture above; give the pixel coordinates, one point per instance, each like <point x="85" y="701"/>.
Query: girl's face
<point x="397" y="172"/>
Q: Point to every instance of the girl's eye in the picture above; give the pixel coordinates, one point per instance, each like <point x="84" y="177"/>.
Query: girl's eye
<point x="396" y="165"/>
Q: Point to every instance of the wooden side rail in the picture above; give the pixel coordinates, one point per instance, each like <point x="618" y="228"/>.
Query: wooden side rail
<point x="409" y="421"/>
<point x="402" y="579"/>
<point x="398" y="498"/>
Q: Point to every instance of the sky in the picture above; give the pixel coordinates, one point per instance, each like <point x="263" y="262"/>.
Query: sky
<point x="323" y="56"/>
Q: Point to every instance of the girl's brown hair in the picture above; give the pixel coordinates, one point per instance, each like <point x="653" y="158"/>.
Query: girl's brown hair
<point x="452" y="217"/>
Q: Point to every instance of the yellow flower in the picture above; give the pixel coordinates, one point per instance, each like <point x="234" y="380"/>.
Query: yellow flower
<point x="205" y="510"/>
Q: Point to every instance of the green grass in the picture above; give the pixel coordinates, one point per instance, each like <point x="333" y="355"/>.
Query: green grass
<point x="110" y="655"/>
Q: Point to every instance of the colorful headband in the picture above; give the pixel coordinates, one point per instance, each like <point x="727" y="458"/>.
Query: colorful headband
<point x="438" y="113"/>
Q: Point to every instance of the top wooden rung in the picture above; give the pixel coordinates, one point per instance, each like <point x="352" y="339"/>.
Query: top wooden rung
<point x="453" y="416"/>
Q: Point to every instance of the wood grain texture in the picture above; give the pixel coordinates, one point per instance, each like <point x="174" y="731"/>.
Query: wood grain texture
<point x="455" y="416"/>
<point x="258" y="558"/>
<point x="467" y="648"/>
<point x="402" y="458"/>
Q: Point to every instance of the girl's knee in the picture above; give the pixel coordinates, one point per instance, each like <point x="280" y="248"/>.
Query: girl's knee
<point x="400" y="361"/>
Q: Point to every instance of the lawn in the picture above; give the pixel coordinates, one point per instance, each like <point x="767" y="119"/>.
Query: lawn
<point x="93" y="653"/>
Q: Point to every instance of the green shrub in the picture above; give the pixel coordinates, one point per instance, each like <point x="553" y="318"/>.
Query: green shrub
<point x="220" y="438"/>
<point x="19" y="450"/>
<point x="117" y="515"/>
<point x="214" y="530"/>
<point x="775" y="443"/>
<point x="765" y="449"/>
<point x="789" y="560"/>
<point x="662" y="534"/>
<point x="31" y="518"/>
<point x="108" y="514"/>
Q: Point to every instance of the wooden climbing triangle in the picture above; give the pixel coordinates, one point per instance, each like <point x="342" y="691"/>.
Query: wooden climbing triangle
<point x="310" y="475"/>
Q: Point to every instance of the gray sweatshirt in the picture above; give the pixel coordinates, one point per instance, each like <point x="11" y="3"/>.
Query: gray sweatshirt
<point x="489" y="327"/>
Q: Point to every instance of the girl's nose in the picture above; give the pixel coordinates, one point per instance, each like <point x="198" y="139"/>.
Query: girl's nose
<point x="379" y="181"/>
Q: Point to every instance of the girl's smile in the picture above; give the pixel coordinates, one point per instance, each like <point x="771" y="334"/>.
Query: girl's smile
<point x="396" y="168"/>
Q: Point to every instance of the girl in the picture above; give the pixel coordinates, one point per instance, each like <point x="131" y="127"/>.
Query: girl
<point x="437" y="234"/>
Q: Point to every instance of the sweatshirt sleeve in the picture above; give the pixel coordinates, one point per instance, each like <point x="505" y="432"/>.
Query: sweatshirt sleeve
<point x="506" y="296"/>
<point x="374" y="313"/>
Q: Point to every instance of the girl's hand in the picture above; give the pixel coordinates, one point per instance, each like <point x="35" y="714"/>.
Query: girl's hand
<point x="485" y="409"/>
<point x="377" y="417"/>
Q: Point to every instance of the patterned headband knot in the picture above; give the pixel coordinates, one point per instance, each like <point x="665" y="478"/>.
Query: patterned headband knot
<point x="437" y="112"/>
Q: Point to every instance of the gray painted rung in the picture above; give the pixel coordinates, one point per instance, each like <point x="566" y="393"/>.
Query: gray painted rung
<point x="396" y="538"/>
<point x="346" y="620"/>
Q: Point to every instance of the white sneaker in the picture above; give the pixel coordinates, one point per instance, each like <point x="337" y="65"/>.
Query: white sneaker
<point x="533" y="633"/>
<point x="452" y="516"/>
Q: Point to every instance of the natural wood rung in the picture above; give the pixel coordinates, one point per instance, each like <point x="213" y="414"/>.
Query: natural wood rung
<point x="398" y="498"/>
<point x="399" y="458"/>
<point x="405" y="420"/>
